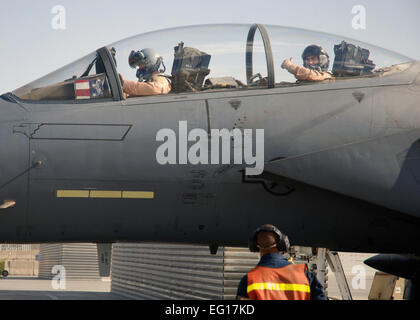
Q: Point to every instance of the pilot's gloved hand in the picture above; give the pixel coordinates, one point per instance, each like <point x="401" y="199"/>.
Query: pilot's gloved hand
<point x="287" y="63"/>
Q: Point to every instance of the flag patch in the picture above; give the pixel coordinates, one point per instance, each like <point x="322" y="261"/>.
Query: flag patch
<point x="89" y="88"/>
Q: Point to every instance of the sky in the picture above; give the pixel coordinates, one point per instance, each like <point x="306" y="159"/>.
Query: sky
<point x="31" y="47"/>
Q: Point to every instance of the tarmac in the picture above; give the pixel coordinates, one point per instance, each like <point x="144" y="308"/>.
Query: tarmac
<point x="33" y="288"/>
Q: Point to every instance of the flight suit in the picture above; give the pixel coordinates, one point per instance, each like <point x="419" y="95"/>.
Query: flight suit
<point x="305" y="74"/>
<point x="158" y="85"/>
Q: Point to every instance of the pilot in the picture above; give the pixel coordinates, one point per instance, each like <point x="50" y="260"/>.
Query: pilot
<point x="315" y="65"/>
<point x="151" y="81"/>
<point x="275" y="278"/>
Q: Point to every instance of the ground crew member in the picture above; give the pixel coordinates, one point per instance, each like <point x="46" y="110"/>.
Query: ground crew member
<point x="275" y="278"/>
<point x="315" y="65"/>
<point x="151" y="81"/>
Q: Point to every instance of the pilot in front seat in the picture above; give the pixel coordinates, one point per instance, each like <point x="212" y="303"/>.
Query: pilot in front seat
<point x="315" y="65"/>
<point x="151" y="81"/>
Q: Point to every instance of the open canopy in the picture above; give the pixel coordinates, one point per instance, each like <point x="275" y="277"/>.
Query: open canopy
<point x="234" y="54"/>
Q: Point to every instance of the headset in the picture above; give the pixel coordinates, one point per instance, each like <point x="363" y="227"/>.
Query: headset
<point x="282" y="241"/>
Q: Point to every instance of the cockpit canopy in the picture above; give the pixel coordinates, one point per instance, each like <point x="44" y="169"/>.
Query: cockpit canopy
<point x="223" y="61"/>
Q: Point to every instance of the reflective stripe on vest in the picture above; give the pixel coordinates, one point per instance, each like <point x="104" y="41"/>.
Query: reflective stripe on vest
<point x="278" y="287"/>
<point x="286" y="283"/>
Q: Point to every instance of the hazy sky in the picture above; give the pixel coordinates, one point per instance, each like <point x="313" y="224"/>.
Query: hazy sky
<point x="31" y="48"/>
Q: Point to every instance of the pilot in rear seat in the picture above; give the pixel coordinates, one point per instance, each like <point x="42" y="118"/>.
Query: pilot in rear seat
<point x="315" y="65"/>
<point x="151" y="81"/>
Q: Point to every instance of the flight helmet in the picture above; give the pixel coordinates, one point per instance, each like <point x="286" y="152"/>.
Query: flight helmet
<point x="148" y="62"/>
<point x="316" y="51"/>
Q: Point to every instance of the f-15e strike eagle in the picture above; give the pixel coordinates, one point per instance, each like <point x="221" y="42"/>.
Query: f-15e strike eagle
<point x="82" y="162"/>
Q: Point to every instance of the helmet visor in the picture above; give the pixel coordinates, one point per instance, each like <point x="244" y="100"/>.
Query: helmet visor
<point x="135" y="59"/>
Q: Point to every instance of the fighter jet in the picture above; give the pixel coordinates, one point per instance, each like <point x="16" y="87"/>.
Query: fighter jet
<point x="237" y="143"/>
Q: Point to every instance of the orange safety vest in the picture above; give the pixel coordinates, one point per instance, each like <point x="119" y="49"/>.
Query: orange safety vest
<point x="286" y="283"/>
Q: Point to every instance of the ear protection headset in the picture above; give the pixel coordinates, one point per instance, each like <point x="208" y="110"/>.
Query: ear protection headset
<point x="282" y="241"/>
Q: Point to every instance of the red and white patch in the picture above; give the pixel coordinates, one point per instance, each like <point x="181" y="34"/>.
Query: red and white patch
<point x="82" y="89"/>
